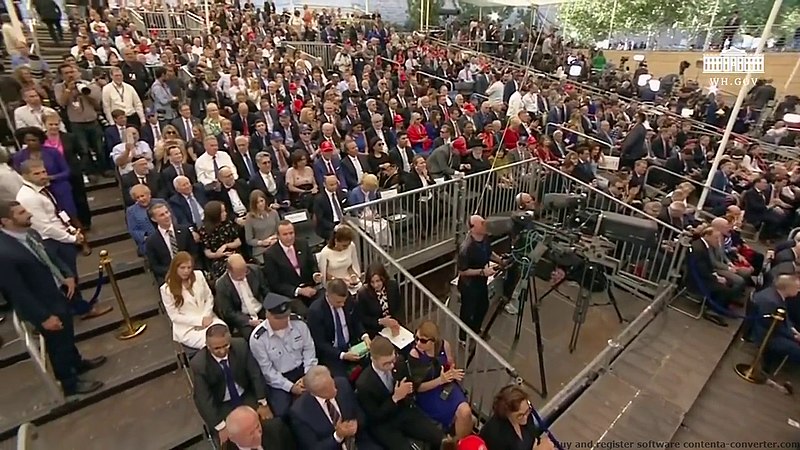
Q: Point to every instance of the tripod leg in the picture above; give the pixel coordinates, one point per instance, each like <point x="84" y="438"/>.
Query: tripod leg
<point x="613" y="299"/>
<point x="524" y="294"/>
<point x="537" y="326"/>
<point x="581" y="305"/>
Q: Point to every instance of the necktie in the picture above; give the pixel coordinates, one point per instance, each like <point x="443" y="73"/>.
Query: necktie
<point x="236" y="399"/>
<point x="173" y="243"/>
<point x="337" y="207"/>
<point x="38" y="249"/>
<point x="216" y="166"/>
<point x="122" y="135"/>
<point x="333" y="412"/>
<point x="292" y="255"/>
<point x="341" y="343"/>
<point x="245" y="128"/>
<point x="156" y="132"/>
<point x="179" y="170"/>
<point x="330" y="168"/>
<point x="188" y="125"/>
<point x="197" y="217"/>
<point x="386" y="377"/>
<point x="142" y="180"/>
<point x="249" y="163"/>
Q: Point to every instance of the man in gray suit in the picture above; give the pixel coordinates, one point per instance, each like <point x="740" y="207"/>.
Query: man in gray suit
<point x="240" y="294"/>
<point x="723" y="266"/>
<point x="445" y="160"/>
<point x="184" y="122"/>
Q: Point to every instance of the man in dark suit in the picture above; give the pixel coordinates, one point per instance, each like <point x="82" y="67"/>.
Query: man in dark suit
<point x="243" y="122"/>
<point x="185" y="122"/>
<point x="633" y="147"/>
<point x="233" y="193"/>
<point x="239" y="296"/>
<point x="140" y="174"/>
<point x="702" y="267"/>
<point x="291" y="268"/>
<point x="402" y="155"/>
<point x="270" y="182"/>
<point x="789" y="254"/>
<point x="115" y="132"/>
<point x="150" y="130"/>
<point x="392" y="417"/>
<point x="244" y="158"/>
<point x="260" y="140"/>
<point x="354" y="165"/>
<point x="187" y="203"/>
<point x="329" y="207"/>
<point x="248" y="430"/>
<point x="328" y="163"/>
<point x="38" y="285"/>
<point x="176" y="167"/>
<point x="227" y="139"/>
<point x="785" y="340"/>
<point x="225" y="377"/>
<point x="158" y="246"/>
<point x="759" y="209"/>
<point x="336" y="328"/>
<point x="327" y="415"/>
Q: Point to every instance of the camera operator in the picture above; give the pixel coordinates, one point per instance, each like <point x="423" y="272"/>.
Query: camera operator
<point x="474" y="270"/>
<point x="81" y="100"/>
<point x="199" y="93"/>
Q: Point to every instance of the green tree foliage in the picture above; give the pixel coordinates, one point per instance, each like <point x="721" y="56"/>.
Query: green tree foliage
<point x="592" y="19"/>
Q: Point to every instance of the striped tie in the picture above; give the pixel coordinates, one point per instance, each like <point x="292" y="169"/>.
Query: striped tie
<point x="173" y="243"/>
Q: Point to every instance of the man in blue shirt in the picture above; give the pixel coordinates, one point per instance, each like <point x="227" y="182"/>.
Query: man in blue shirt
<point x="139" y="224"/>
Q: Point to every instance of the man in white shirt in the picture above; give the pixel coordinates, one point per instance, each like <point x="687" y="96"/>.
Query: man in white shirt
<point x="53" y="224"/>
<point x="239" y="296"/>
<point x="208" y="164"/>
<point x="30" y="114"/>
<point x="122" y="96"/>
<point x="123" y="153"/>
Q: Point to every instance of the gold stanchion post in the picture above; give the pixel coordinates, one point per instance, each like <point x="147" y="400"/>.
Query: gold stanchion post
<point x="752" y="372"/>
<point x="129" y="329"/>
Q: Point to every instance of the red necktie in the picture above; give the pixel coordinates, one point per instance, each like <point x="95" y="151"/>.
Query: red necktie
<point x="245" y="128"/>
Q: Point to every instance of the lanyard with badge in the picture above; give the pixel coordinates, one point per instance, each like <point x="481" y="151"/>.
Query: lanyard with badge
<point x="121" y="92"/>
<point x="60" y="213"/>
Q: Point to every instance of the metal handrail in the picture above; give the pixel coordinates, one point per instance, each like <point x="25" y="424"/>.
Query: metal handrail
<point x="423" y="190"/>
<point x="474" y="337"/>
<point x="682" y="177"/>
<point x="297" y="50"/>
<point x="38" y="353"/>
<point x="26" y="435"/>
<point x="430" y="75"/>
<point x="593" y="189"/>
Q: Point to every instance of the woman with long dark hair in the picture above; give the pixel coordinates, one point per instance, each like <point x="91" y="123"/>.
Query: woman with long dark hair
<point x="188" y="301"/>
<point x="219" y="236"/>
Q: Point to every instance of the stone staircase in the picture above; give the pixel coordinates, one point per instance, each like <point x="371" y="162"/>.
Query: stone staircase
<point x="146" y="400"/>
<point x="50" y="52"/>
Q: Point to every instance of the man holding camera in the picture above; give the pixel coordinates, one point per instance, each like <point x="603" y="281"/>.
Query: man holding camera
<point x="81" y="100"/>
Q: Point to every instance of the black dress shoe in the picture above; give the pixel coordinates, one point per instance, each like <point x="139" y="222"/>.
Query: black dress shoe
<point x="715" y="318"/>
<point x="89" y="364"/>
<point x="84" y="387"/>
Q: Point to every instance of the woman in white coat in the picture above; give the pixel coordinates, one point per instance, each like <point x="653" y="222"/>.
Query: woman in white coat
<point x="188" y="301"/>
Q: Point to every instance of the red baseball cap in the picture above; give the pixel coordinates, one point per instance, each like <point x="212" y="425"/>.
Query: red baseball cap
<point x="292" y="87"/>
<point x="532" y="140"/>
<point x="326" y="146"/>
<point x="472" y="442"/>
<point x="398" y="118"/>
<point x="460" y="144"/>
<point x="469" y="107"/>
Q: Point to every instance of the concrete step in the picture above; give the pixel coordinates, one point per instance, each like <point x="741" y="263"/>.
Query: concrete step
<point x="130" y="363"/>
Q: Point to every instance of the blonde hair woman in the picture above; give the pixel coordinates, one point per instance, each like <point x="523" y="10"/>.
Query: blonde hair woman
<point x="188" y="301"/>
<point x="169" y="138"/>
<point x="213" y="121"/>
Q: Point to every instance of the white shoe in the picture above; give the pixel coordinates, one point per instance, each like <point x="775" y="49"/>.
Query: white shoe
<point x="511" y="309"/>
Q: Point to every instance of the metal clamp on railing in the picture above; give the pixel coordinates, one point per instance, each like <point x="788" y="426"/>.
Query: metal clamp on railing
<point x="38" y="352"/>
<point x="130" y="329"/>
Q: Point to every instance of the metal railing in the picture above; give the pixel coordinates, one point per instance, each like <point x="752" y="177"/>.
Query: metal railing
<point x="642" y="268"/>
<point x="38" y="352"/>
<point x="603" y="144"/>
<point x="436" y="77"/>
<point x="427" y="220"/>
<point x="136" y="18"/>
<point x="486" y="371"/>
<point x="323" y="53"/>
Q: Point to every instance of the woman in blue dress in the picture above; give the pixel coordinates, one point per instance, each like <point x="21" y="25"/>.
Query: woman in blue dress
<point x="435" y="376"/>
<point x="32" y="140"/>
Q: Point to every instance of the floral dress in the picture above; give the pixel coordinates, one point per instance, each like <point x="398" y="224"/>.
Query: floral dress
<point x="223" y="234"/>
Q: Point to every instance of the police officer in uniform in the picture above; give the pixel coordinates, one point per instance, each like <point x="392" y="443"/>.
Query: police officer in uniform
<point x="283" y="347"/>
<point x="474" y="270"/>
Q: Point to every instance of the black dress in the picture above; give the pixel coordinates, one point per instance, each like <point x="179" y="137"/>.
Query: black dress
<point x="500" y="435"/>
<point x="223" y="234"/>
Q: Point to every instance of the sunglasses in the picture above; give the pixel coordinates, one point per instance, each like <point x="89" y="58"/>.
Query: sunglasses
<point x="422" y="340"/>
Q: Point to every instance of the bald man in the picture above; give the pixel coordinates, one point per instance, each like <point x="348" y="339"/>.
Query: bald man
<point x="474" y="257"/>
<point x="736" y="276"/>
<point x="245" y="431"/>
<point x="233" y="193"/>
<point x="785" y="340"/>
<point x="240" y="294"/>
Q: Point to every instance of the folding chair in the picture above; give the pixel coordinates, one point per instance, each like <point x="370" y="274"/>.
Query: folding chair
<point x="304" y="228"/>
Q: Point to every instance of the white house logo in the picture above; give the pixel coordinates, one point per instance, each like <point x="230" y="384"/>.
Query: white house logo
<point x="733" y="61"/>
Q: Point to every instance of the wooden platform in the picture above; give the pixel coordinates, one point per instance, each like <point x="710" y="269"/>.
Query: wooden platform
<point x="732" y="410"/>
<point x="652" y="384"/>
